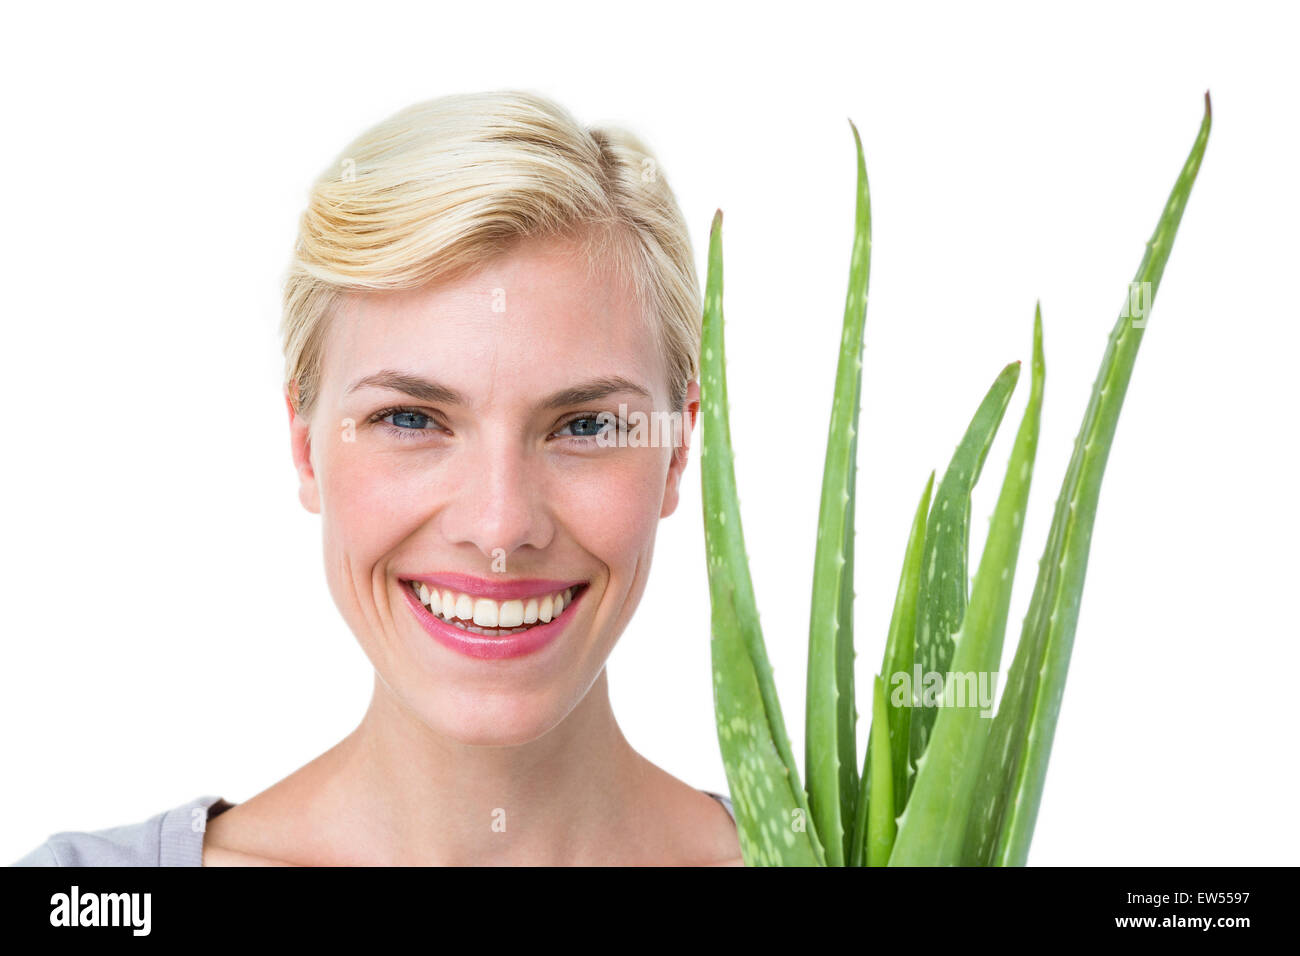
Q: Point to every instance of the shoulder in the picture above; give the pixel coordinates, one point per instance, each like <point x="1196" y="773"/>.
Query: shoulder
<point x="733" y="856"/>
<point x="725" y="800"/>
<point x="695" y="827"/>
<point x="171" y="838"/>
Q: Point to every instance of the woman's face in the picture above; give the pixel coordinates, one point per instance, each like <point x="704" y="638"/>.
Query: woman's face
<point x="455" y="441"/>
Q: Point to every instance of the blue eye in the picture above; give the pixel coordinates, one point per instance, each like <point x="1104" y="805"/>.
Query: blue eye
<point x="586" y="426"/>
<point x="408" y="423"/>
<point x="416" y="420"/>
<point x="593" y="429"/>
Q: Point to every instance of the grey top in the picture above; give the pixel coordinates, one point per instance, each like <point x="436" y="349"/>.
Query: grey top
<point x="172" y="838"/>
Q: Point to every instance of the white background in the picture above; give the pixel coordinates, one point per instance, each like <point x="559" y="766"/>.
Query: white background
<point x="166" y="627"/>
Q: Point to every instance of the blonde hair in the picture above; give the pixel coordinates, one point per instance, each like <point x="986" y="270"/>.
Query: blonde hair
<point x="436" y="190"/>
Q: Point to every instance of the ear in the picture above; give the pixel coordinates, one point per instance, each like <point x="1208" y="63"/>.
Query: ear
<point x="689" y="412"/>
<point x="300" y="444"/>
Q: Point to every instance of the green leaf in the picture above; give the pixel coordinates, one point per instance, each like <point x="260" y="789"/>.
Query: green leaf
<point x="941" y="600"/>
<point x="1011" y="779"/>
<point x="881" y="827"/>
<point x="933" y="825"/>
<point x="898" y="660"/>
<point x="830" y="742"/>
<point x="772" y="817"/>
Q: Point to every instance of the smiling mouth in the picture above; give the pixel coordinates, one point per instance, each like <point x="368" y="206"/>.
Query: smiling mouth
<point x="480" y="615"/>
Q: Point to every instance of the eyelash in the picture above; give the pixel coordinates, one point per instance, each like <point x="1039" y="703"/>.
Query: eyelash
<point x="412" y="434"/>
<point x="590" y="440"/>
<point x="403" y="434"/>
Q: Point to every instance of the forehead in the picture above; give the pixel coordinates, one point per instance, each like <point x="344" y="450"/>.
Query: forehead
<point x="529" y="322"/>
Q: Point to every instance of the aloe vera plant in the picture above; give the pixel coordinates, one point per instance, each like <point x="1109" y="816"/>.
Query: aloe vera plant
<point x="941" y="783"/>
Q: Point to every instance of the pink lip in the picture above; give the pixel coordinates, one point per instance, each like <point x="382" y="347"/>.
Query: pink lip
<point x="481" y="646"/>
<point x="497" y="590"/>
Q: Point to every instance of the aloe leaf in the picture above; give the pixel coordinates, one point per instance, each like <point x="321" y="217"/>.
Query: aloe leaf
<point x="901" y="647"/>
<point x="898" y="660"/>
<point x="771" y="808"/>
<point x="941" y="598"/>
<point x="830" y="743"/>
<point x="1011" y="779"/>
<point x="881" y="826"/>
<point x="933" y="824"/>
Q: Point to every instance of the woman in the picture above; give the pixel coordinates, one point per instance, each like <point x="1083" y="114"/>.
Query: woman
<point x="482" y="298"/>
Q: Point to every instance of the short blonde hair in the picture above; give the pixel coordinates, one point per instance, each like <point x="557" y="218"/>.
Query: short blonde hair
<point x="436" y="190"/>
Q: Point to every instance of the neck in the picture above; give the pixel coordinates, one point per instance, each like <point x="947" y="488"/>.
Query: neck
<point x="403" y="795"/>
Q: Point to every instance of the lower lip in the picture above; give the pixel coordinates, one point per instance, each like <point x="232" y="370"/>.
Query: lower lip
<point x="490" y="648"/>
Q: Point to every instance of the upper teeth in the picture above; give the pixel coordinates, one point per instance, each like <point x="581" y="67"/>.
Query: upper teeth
<point x="488" y="613"/>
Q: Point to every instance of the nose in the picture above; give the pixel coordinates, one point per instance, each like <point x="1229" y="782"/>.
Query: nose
<point x="499" y="503"/>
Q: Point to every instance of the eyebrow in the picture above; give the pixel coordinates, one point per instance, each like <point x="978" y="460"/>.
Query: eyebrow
<point x="413" y="385"/>
<point x="430" y="391"/>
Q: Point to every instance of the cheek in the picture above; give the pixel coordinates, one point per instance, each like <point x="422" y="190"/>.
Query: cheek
<point x="369" y="502"/>
<point x="366" y="503"/>
<point x="612" y="507"/>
